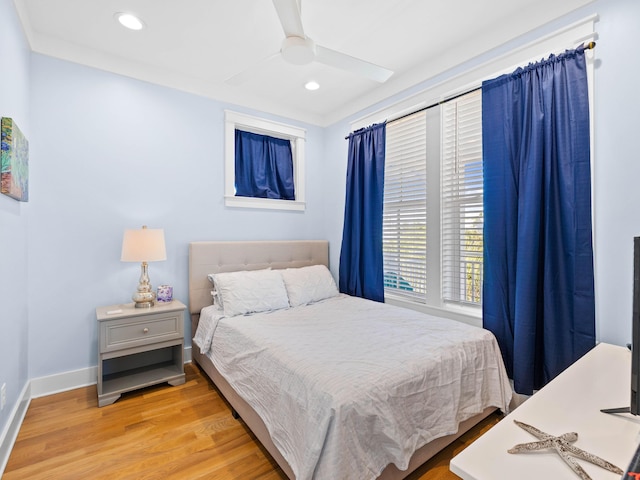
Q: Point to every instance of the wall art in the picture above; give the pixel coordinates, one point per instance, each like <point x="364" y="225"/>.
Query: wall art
<point x="14" y="156"/>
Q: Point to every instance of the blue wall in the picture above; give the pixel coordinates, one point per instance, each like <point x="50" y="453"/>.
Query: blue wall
<point x="617" y="165"/>
<point x="14" y="217"/>
<point x="111" y="153"/>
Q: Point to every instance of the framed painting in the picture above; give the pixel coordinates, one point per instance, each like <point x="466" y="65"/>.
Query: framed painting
<point x="14" y="156"/>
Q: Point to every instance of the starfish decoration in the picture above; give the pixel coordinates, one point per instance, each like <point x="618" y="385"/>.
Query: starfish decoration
<point x="562" y="445"/>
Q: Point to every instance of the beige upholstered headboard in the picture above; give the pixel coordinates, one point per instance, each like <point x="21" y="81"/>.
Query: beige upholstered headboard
<point x="215" y="257"/>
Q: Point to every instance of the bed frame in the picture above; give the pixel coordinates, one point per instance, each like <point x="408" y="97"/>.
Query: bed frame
<point x="216" y="257"/>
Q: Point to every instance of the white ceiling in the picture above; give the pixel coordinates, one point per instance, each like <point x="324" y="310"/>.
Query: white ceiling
<point x="195" y="45"/>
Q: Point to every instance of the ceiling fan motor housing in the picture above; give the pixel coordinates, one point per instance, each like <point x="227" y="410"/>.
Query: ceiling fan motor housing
<point x="298" y="50"/>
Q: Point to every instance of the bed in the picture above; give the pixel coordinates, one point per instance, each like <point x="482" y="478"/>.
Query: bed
<point x="320" y="429"/>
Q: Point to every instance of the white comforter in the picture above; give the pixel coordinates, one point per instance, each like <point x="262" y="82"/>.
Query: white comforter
<point x="346" y="386"/>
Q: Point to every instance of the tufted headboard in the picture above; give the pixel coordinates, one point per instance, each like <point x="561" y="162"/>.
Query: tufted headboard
<point x="215" y="257"/>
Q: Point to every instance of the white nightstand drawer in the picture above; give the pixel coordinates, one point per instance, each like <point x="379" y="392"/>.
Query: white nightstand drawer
<point x="124" y="333"/>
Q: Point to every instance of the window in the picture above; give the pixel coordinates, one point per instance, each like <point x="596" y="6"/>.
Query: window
<point x="264" y="166"/>
<point x="404" y="213"/>
<point x="453" y="221"/>
<point x="462" y="219"/>
<point x="296" y="136"/>
<point x="432" y="216"/>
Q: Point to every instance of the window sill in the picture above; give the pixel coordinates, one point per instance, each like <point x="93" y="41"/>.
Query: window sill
<point x="461" y="314"/>
<point x="267" y="203"/>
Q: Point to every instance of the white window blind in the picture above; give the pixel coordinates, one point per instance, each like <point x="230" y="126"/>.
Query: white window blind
<point x="404" y="229"/>
<point x="462" y="197"/>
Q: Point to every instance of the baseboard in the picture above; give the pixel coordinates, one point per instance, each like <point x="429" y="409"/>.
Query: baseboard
<point x="517" y="399"/>
<point x="10" y="432"/>
<point x="61" y="382"/>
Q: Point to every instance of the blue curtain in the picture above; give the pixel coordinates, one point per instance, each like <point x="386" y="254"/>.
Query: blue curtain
<point x="361" y="270"/>
<point x="264" y="166"/>
<point x="538" y="291"/>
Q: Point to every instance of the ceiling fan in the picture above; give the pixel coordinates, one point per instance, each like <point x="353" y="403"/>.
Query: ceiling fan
<point x="298" y="49"/>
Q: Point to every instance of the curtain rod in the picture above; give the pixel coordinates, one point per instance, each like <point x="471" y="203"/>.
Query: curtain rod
<point x="435" y="104"/>
<point x="587" y="46"/>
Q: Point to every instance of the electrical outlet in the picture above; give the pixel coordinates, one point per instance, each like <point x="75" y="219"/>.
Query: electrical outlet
<point x="3" y="396"/>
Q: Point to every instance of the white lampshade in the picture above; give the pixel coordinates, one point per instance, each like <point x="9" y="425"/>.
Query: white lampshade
<point x="143" y="245"/>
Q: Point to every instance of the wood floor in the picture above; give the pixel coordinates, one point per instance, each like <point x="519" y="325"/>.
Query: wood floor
<point x="162" y="432"/>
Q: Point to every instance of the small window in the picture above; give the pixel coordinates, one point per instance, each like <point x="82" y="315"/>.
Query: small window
<point x="237" y="122"/>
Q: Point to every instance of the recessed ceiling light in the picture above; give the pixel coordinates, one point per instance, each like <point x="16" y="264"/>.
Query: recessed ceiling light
<point x="312" y="85"/>
<point x="130" y="21"/>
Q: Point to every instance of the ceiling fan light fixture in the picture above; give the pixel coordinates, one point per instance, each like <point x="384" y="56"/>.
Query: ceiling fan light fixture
<point x="298" y="50"/>
<point x="129" y="21"/>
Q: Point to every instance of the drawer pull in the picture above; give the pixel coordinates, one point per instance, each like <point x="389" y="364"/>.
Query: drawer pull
<point x="145" y="330"/>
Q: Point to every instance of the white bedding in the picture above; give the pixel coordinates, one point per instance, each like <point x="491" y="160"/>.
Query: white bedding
<point x="346" y="386"/>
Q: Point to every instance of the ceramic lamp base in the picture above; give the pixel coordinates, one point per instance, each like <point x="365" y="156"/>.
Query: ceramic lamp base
<point x="144" y="295"/>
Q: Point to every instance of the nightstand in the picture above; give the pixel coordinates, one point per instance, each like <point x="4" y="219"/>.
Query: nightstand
<point x="138" y="347"/>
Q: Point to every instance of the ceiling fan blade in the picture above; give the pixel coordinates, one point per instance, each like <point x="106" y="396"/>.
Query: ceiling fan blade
<point x="352" y="64"/>
<point x="290" y="18"/>
<point x="250" y="72"/>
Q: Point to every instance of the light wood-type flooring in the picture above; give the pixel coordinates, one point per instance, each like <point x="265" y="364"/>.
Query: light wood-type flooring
<point x="162" y="432"/>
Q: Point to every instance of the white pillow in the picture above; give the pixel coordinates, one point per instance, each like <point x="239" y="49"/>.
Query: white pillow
<point x="308" y="284"/>
<point x="215" y="298"/>
<point x="252" y="291"/>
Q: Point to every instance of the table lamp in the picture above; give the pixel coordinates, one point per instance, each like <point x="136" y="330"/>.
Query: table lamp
<point x="143" y="245"/>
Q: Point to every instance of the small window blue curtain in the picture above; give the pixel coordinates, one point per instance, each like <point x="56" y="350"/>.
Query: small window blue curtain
<point x="263" y="166"/>
<point x="538" y="292"/>
<point x="361" y="269"/>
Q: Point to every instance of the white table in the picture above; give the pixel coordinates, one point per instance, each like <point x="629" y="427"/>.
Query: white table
<point x="569" y="403"/>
